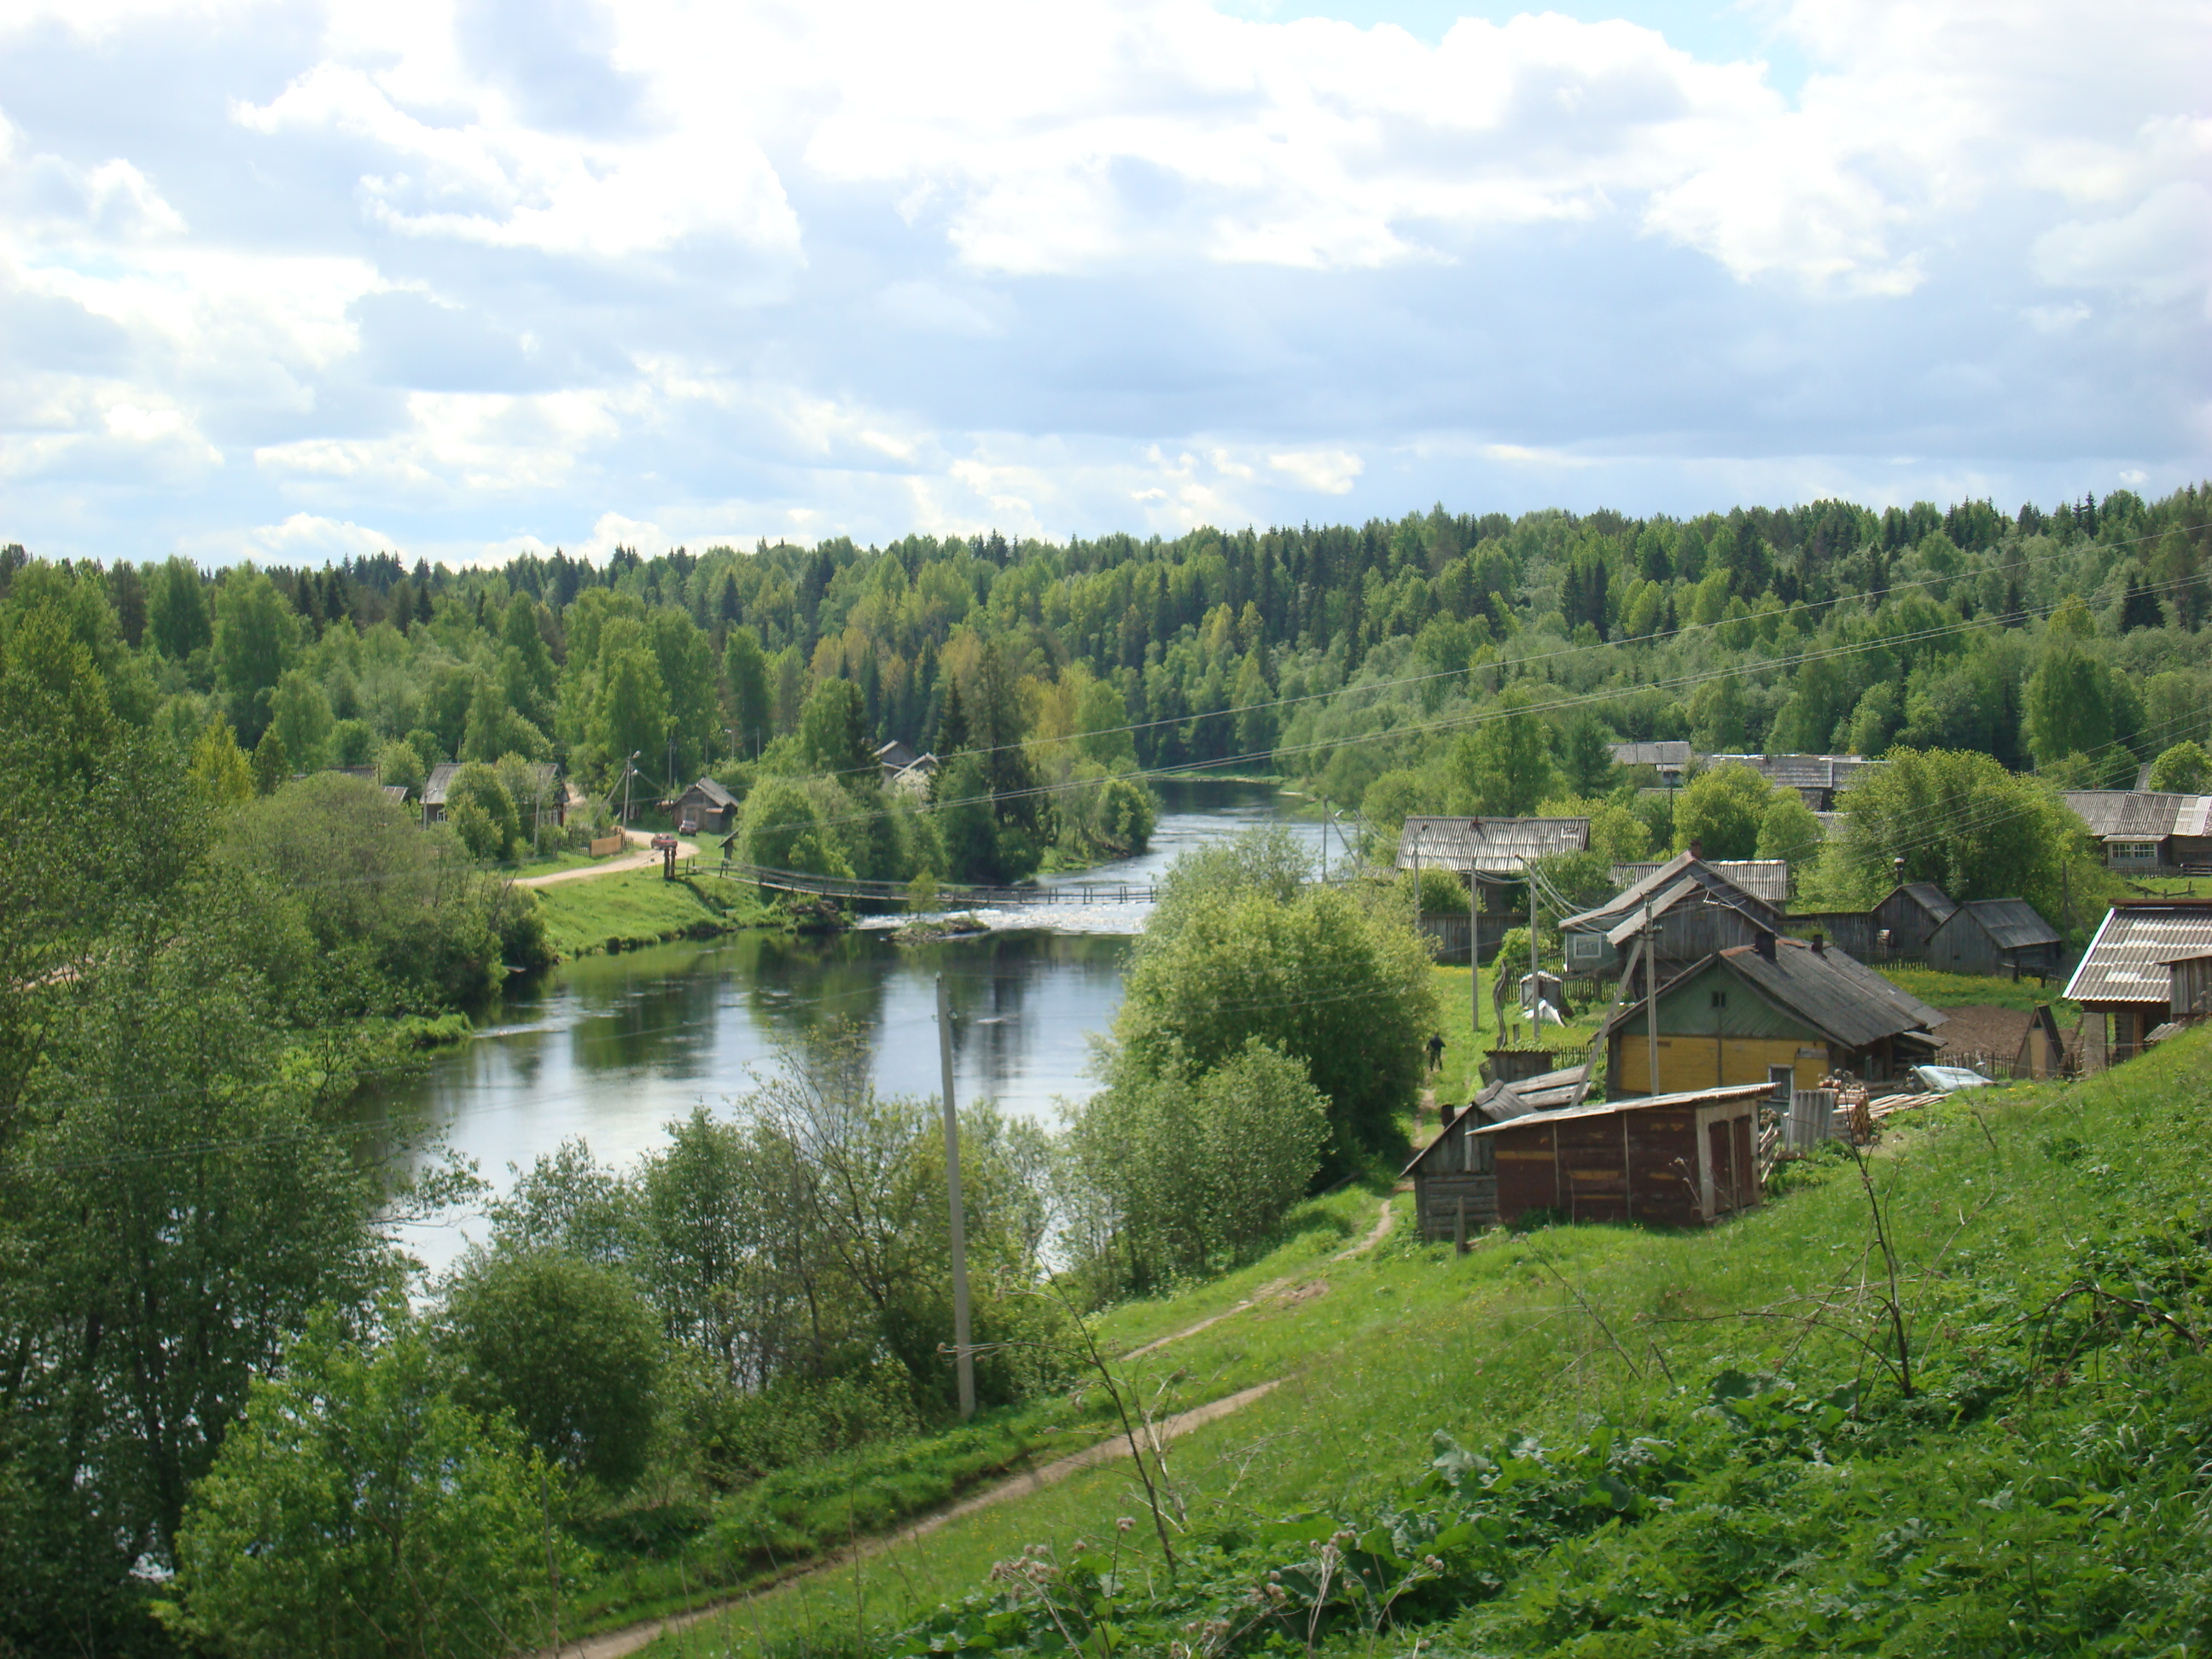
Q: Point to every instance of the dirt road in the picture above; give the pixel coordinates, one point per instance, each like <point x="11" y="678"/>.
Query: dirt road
<point x="639" y="861"/>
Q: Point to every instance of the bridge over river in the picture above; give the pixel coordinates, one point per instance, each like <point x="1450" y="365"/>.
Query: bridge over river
<point x="1075" y="891"/>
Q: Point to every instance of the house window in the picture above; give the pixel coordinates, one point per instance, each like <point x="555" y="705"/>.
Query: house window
<point x="2135" y="851"/>
<point x="1720" y="999"/>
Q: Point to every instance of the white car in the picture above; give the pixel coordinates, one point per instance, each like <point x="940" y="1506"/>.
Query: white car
<point x="1949" y="1079"/>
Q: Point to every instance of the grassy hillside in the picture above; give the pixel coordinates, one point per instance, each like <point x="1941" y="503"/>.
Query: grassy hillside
<point x="638" y="907"/>
<point x="1673" y="1444"/>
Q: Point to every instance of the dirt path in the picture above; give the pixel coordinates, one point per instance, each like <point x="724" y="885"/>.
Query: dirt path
<point x="1273" y="1290"/>
<point x="616" y="1644"/>
<point x="640" y="861"/>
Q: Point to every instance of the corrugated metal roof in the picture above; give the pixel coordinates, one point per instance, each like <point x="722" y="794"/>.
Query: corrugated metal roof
<point x="1763" y="879"/>
<point x="2137" y="815"/>
<point x="2012" y="922"/>
<point x="2127" y="961"/>
<point x="1733" y="1091"/>
<point x="1498" y="847"/>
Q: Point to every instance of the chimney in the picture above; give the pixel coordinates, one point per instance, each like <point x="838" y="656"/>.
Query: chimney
<point x="1763" y="942"/>
<point x="1819" y="944"/>
<point x="1897" y="869"/>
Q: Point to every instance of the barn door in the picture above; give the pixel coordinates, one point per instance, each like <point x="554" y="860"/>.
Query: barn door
<point x="1720" y="1148"/>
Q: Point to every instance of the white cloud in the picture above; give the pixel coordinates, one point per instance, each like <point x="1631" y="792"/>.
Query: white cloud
<point x="1331" y="471"/>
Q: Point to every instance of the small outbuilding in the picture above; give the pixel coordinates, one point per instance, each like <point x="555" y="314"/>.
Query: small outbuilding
<point x="705" y="808"/>
<point x="2125" y="976"/>
<point x="2004" y="937"/>
<point x="1676" y="1160"/>
<point x="1455" y="1183"/>
<point x="1693" y="910"/>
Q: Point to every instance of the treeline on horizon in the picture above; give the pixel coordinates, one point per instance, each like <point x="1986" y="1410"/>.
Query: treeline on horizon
<point x="1823" y="628"/>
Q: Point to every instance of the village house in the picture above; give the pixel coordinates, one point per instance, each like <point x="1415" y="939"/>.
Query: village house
<point x="1492" y="853"/>
<point x="1901" y="925"/>
<point x="546" y="802"/>
<point x="1776" y="1011"/>
<point x="2143" y="833"/>
<point x="1818" y="779"/>
<point x="2125" y="977"/>
<point x="2001" y="937"/>
<point x="1763" y="879"/>
<point x="1683" y="1160"/>
<point x="1669" y="758"/>
<point x="915" y="780"/>
<point x="1692" y="911"/>
<point x="705" y="808"/>
<point x="894" y="757"/>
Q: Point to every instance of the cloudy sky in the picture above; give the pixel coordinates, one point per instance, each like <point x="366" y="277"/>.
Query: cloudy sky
<point x="288" y="281"/>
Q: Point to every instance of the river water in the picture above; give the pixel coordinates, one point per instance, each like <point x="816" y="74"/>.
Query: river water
<point x="611" y="1048"/>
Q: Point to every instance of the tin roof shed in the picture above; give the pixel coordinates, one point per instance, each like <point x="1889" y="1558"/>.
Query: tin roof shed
<point x="1492" y="847"/>
<point x="2126" y="964"/>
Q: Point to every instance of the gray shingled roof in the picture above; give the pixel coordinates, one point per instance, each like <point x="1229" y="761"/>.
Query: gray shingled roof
<point x="2127" y="960"/>
<point x="1834" y="994"/>
<point x="442" y="779"/>
<point x="1800" y="771"/>
<point x="714" y="794"/>
<point x="1681" y="877"/>
<point x="1763" y="879"/>
<point x="1929" y="897"/>
<point x="2014" y="923"/>
<point x="2133" y="815"/>
<point x="1496" y="847"/>
<point x="1672" y="754"/>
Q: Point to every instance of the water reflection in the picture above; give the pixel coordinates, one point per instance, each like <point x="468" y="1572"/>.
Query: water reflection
<point x="612" y="1047"/>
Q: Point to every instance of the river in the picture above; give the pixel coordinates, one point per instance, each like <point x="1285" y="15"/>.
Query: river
<point x="610" y="1049"/>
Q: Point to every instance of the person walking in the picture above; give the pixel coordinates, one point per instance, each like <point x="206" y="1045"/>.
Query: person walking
<point x="1435" y="1053"/>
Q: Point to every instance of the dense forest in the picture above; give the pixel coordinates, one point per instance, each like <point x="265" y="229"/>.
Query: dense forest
<point x="209" y="934"/>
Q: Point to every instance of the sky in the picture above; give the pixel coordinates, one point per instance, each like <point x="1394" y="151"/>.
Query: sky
<point x="463" y="278"/>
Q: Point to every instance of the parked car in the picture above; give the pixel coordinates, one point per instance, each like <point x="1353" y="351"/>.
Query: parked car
<point x="664" y="844"/>
<point x="1949" y="1079"/>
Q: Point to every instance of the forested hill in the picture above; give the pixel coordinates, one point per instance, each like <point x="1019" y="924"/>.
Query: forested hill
<point x="1853" y="629"/>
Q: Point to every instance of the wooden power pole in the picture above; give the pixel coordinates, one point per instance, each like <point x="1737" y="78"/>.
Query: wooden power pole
<point x="962" y="1349"/>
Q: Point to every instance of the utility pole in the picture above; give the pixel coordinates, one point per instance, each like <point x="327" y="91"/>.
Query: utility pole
<point x="1475" y="959"/>
<point x="628" y="768"/>
<point x="1535" y="983"/>
<point x="1651" y="1007"/>
<point x="963" y="1350"/>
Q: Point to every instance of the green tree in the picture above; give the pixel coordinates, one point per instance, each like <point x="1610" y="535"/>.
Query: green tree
<point x="483" y="813"/>
<point x="526" y="673"/>
<point x="1586" y="757"/>
<point x="1964" y="822"/>
<point x="686" y="659"/>
<point x="221" y="777"/>
<point x="495" y="728"/>
<point x="746" y="669"/>
<point x="1720" y="810"/>
<point x="257" y="638"/>
<point x="1102" y="726"/>
<point x="1343" y="988"/>
<point x="360" y="1512"/>
<point x="1198" y="1168"/>
<point x="1716" y="713"/>
<point x="178" y="618"/>
<point x="783" y="829"/>
<point x="2184" y="769"/>
<point x="569" y="1348"/>
<point x="300" y="714"/>
<point x="630" y="715"/>
<point x="1503" y="768"/>
<point x="398" y="763"/>
<point x="1788" y="828"/>
<point x="966" y="821"/>
<point x="1258" y="720"/>
<point x="2068" y="708"/>
<point x="833" y="732"/>
<point x="272" y="765"/>
<point x="53" y="698"/>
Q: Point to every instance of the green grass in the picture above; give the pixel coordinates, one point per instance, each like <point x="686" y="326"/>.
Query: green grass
<point x="2065" y="1439"/>
<point x="1942" y="990"/>
<point x="639" y="907"/>
<point x="1460" y="1079"/>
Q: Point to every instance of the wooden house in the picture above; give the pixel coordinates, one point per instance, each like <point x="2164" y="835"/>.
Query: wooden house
<point x="1456" y="1170"/>
<point x="2004" y="938"/>
<point x="1818" y="779"/>
<point x="894" y="757"/>
<point x="2140" y="831"/>
<point x="1683" y="1160"/>
<point x="1756" y="1012"/>
<point x="2191" y="980"/>
<point x="1694" y="911"/>
<point x="705" y="808"/>
<point x="1763" y="879"/>
<point x="2125" y="976"/>
<point x="1669" y="758"/>
<point x="547" y="803"/>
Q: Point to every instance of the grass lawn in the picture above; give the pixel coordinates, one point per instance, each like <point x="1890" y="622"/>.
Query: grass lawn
<point x="1941" y="990"/>
<point x="639" y="907"/>
<point x="1545" y="1332"/>
<point x="1461" y="1079"/>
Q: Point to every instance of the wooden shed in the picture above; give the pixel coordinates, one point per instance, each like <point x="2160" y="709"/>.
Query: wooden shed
<point x="1455" y="1169"/>
<point x="2125" y="976"/>
<point x="1678" y="1160"/>
<point x="1694" y="911"/>
<point x="705" y="808"/>
<point x="2004" y="937"/>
